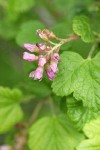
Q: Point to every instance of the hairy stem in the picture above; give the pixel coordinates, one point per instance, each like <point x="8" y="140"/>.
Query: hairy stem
<point x="92" y="50"/>
<point x="51" y="104"/>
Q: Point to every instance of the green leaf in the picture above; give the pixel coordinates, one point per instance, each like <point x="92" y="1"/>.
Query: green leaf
<point x="80" y="77"/>
<point x="92" y="131"/>
<point x="79" y="114"/>
<point x="10" y="111"/>
<point x="20" y="5"/>
<point x="53" y="133"/>
<point x="2" y="2"/>
<point x="8" y="30"/>
<point x="27" y="33"/>
<point x="15" y="7"/>
<point x="82" y="28"/>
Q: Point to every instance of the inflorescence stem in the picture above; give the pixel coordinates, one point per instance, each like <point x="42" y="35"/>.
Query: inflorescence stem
<point x="62" y="41"/>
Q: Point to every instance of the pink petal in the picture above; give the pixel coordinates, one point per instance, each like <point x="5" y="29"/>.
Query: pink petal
<point x="30" y="47"/>
<point x="38" y="73"/>
<point x="42" y="61"/>
<point x="29" y="57"/>
<point x="50" y="73"/>
<point x="32" y="74"/>
<point x="54" y="67"/>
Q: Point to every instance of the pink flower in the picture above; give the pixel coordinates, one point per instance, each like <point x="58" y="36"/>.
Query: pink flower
<point x="29" y="57"/>
<point x="30" y="47"/>
<point x="37" y="74"/>
<point x="42" y="61"/>
<point x="53" y="66"/>
<point x="50" y="73"/>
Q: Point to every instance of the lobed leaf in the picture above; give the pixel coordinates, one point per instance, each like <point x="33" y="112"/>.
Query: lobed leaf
<point x="80" y="77"/>
<point x="54" y="133"/>
<point x="10" y="111"/>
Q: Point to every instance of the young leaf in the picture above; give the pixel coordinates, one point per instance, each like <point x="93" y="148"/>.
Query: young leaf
<point x="10" y="111"/>
<point x="79" y="114"/>
<point x="54" y="133"/>
<point x="29" y="35"/>
<point x="80" y="77"/>
<point x="92" y="131"/>
<point x="82" y="28"/>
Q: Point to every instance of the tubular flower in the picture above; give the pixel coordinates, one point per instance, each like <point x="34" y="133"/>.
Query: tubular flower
<point x="29" y="57"/>
<point x="53" y="66"/>
<point x="30" y="47"/>
<point x="37" y="74"/>
<point x="50" y="73"/>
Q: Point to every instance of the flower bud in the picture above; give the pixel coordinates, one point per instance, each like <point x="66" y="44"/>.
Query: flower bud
<point x="50" y="73"/>
<point x="53" y="66"/>
<point x="42" y="61"/>
<point x="37" y="74"/>
<point x="52" y="35"/>
<point x="46" y="34"/>
<point x="29" y="57"/>
<point x="30" y="47"/>
<point x="42" y="35"/>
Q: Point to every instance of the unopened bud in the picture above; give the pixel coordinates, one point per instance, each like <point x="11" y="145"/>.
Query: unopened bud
<point x="42" y="35"/>
<point x="29" y="57"/>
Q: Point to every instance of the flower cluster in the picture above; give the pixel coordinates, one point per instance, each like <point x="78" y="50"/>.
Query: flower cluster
<point x="47" y="56"/>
